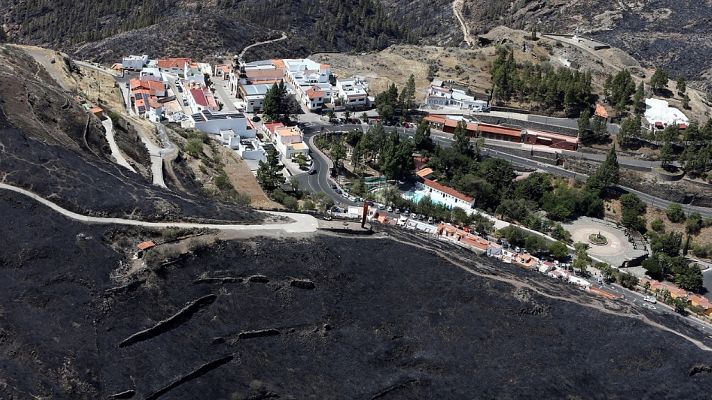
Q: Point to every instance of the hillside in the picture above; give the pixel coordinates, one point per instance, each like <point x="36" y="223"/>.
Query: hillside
<point x="675" y="35"/>
<point x="51" y="145"/>
<point x="387" y="321"/>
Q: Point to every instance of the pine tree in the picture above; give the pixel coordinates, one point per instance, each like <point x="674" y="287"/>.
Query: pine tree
<point x="462" y="143"/>
<point x="422" y="138"/>
<point x="269" y="172"/>
<point x="681" y="85"/>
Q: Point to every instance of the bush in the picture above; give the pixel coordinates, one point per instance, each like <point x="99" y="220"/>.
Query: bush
<point x="658" y="225"/>
<point x="675" y="213"/>
<point x="194" y="147"/>
<point x="290" y="202"/>
<point x="694" y="224"/>
<point x="223" y="182"/>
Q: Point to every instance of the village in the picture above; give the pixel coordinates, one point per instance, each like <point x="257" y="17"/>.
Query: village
<point x="227" y="101"/>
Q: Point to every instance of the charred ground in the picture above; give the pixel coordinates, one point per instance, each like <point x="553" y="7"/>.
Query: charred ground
<point x="326" y="317"/>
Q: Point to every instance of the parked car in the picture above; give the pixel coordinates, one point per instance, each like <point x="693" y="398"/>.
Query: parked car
<point x="381" y="206"/>
<point x="650" y="299"/>
<point x="398" y="211"/>
<point x="390" y="209"/>
<point x="312" y="171"/>
<point x="430" y="220"/>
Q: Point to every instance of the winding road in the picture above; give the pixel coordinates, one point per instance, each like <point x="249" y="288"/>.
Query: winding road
<point x="300" y="223"/>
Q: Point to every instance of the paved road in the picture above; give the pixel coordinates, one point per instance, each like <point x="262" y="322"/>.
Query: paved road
<point x="445" y="140"/>
<point x="115" y="151"/>
<point x="301" y="223"/>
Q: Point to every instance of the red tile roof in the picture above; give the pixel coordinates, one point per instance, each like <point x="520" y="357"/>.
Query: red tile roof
<point x="601" y="111"/>
<point x="438" y="119"/>
<point x="167" y="63"/>
<point x="146" y="245"/>
<point x="199" y="97"/>
<point x="448" y="190"/>
<point x="500" y="130"/>
<point x="313" y="93"/>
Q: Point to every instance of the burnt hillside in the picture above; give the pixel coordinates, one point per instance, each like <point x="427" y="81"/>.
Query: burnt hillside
<point x="320" y="318"/>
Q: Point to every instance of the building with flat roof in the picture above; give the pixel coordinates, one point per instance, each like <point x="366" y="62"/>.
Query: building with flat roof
<point x="443" y="96"/>
<point x="289" y="141"/>
<point x="660" y="115"/>
<point x="134" y="62"/>
<point x="213" y="122"/>
<point x="352" y="92"/>
<point x="310" y="81"/>
<point x="254" y="96"/>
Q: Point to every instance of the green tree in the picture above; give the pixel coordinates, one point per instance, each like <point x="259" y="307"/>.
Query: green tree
<point x="271" y="104"/>
<point x="638" y="98"/>
<point x="559" y="250"/>
<point x="694" y="223"/>
<point x="629" y="132"/>
<point x="632" y="210"/>
<point x="422" y="139"/>
<point x="581" y="260"/>
<point x="462" y="143"/>
<point x="659" y="80"/>
<point x="686" y="102"/>
<point x="584" y="125"/>
<point x="269" y="172"/>
<point x="681" y="85"/>
<point x="658" y="225"/>
<point x="607" y="174"/>
<point x="675" y="213"/>
<point x="619" y="89"/>
<point x="407" y="95"/>
<point x="338" y="152"/>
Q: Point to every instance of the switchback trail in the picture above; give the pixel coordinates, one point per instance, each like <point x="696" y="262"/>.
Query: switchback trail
<point x="300" y="223"/>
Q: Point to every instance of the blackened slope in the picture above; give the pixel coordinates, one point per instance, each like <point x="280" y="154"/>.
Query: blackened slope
<point x="385" y="320"/>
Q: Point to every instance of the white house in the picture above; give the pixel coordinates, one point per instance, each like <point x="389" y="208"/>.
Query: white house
<point x="175" y="66"/>
<point x="153" y="74"/>
<point x="289" y="141"/>
<point x="445" y="195"/>
<point x="134" y="62"/>
<point x="254" y="96"/>
<point x="439" y="95"/>
<point x="353" y="92"/>
<point x="309" y="80"/>
<point x="194" y="73"/>
<point x="659" y="115"/>
<point x="215" y="122"/>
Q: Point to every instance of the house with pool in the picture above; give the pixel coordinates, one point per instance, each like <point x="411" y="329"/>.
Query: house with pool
<point x="438" y="193"/>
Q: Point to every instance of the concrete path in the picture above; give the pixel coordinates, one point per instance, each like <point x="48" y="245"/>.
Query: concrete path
<point x="115" y="151"/>
<point x="156" y="160"/>
<point x="299" y="224"/>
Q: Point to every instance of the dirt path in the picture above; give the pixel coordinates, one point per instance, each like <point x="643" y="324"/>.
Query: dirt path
<point x="299" y="224"/>
<point x="241" y="56"/>
<point x="457" y="6"/>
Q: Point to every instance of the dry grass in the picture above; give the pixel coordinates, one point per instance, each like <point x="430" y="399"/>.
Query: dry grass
<point x="244" y="181"/>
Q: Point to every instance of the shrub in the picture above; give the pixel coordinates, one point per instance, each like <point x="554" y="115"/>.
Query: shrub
<point x="658" y="225"/>
<point x="675" y="213"/>
<point x="290" y="202"/>
<point x="194" y="147"/>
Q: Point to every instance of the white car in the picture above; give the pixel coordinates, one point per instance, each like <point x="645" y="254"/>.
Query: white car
<point x="650" y="299"/>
